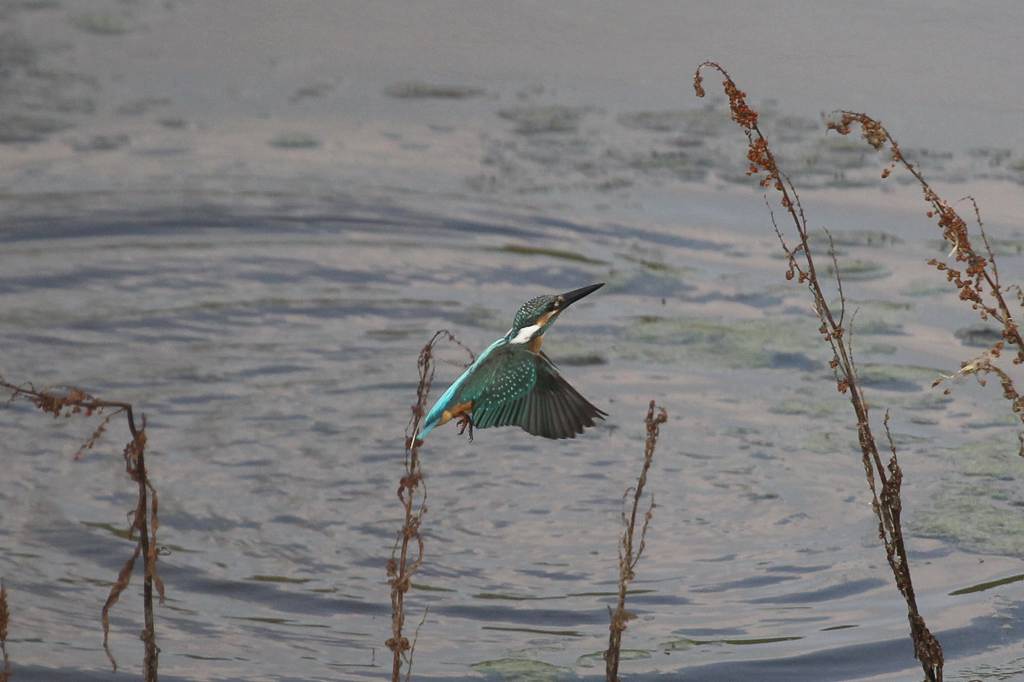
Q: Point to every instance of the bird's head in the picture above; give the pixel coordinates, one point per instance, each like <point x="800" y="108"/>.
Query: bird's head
<point x="536" y="315"/>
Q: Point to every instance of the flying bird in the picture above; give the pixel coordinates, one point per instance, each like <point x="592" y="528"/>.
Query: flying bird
<point x="513" y="383"/>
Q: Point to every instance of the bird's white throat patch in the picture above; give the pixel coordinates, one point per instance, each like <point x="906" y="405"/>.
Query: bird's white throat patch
<point x="525" y="334"/>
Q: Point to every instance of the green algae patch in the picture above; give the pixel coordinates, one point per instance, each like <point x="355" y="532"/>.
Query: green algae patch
<point x="878" y="327"/>
<point x="100" y="23"/>
<point x="521" y="669"/>
<point x="582" y="359"/>
<point x="596" y="659"/>
<point x="18" y="129"/>
<point x="294" y="140"/>
<point x="264" y="619"/>
<point x="921" y="288"/>
<point x="504" y="596"/>
<point x="431" y="588"/>
<point x="659" y="267"/>
<point x="930" y="402"/>
<point x="678" y="163"/>
<point x="420" y="90"/>
<point x="706" y="122"/>
<point x="761" y="343"/>
<point x="878" y="349"/>
<point x="997" y="419"/>
<point x="499" y="596"/>
<point x="277" y="579"/>
<point x="981" y="587"/>
<point x="875" y="317"/>
<point x="684" y="643"/>
<point x="901" y="378"/>
<point x="523" y="250"/>
<point x="878" y="305"/>
<point x="815" y="409"/>
<point x="544" y="119"/>
<point x="395" y="333"/>
<point x="116" y="531"/>
<point x="857" y="270"/>
<point x="1007" y="247"/>
<point x="829" y="442"/>
<point x="977" y="506"/>
<point x="850" y="238"/>
<point x="609" y="594"/>
<point x="697" y="122"/>
<point x="978" y="336"/>
<point x="535" y="631"/>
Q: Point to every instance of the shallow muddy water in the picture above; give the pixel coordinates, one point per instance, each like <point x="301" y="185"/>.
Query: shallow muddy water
<point x="247" y="220"/>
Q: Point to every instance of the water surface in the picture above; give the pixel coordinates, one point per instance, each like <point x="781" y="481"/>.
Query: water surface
<point x="247" y="221"/>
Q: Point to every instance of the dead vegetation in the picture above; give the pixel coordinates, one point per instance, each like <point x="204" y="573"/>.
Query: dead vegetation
<point x="144" y="517"/>
<point x="976" y="277"/>
<point x="5" y="617"/>
<point x="884" y="479"/>
<point x="630" y="550"/>
<point x="407" y="553"/>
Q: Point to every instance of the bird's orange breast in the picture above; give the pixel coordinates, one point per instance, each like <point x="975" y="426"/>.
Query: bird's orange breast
<point x="536" y="341"/>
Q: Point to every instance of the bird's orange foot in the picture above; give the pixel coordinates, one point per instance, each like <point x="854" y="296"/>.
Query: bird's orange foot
<point x="464" y="422"/>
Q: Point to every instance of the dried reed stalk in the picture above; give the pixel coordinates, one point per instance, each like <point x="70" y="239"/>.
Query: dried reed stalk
<point x="978" y="280"/>
<point x="883" y="480"/>
<point x="5" y="617"/>
<point x="75" y="401"/>
<point x="628" y="560"/>
<point x="407" y="554"/>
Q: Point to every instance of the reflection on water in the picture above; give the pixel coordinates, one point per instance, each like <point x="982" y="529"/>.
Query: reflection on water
<point x="257" y="264"/>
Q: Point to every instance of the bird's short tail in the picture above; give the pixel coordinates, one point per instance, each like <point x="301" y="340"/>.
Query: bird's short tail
<point x="428" y="426"/>
<point x="433" y="418"/>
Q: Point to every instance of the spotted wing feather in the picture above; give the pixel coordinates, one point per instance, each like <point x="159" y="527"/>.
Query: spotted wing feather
<point x="499" y="385"/>
<point x="517" y="387"/>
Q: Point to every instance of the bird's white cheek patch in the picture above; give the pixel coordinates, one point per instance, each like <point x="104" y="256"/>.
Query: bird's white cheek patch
<point x="525" y="334"/>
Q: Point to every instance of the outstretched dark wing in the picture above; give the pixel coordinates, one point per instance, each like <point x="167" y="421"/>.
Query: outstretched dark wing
<point x="554" y="409"/>
<point x="517" y="387"/>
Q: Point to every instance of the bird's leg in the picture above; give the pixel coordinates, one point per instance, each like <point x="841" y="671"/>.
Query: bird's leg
<point x="464" y="422"/>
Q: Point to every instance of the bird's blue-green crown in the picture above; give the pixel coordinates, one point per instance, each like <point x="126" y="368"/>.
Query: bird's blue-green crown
<point x="530" y="312"/>
<point x="541" y="311"/>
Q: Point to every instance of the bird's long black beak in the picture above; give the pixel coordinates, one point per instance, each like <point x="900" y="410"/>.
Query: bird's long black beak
<point x="570" y="297"/>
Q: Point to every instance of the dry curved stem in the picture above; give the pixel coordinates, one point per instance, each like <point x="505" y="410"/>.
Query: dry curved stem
<point x="628" y="558"/>
<point x="75" y="401"/>
<point x="5" y="617"/>
<point x="801" y="265"/>
<point x="405" y="561"/>
<point x="976" y="277"/>
<point x="412" y="647"/>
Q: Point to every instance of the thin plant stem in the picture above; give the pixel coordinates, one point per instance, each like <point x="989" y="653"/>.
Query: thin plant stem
<point x="884" y="480"/>
<point x="628" y="558"/>
<point x="407" y="554"/>
<point x="145" y="519"/>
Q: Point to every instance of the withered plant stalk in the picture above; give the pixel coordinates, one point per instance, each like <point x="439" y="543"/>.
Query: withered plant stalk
<point x="145" y="520"/>
<point x="628" y="559"/>
<point x="403" y="565"/>
<point x="978" y="282"/>
<point x="883" y="480"/>
<point x="5" y="616"/>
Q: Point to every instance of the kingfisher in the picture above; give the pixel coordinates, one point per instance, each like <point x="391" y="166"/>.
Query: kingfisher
<point x="513" y="383"/>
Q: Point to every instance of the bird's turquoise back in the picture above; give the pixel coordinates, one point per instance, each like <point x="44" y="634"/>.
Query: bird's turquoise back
<point x="496" y="387"/>
<point x="447" y="398"/>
